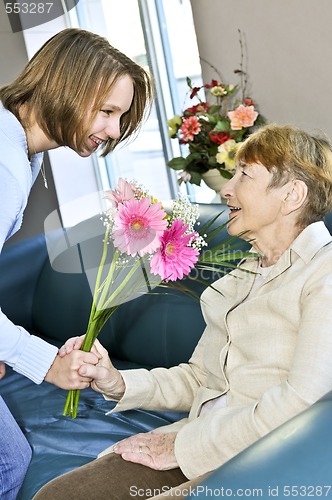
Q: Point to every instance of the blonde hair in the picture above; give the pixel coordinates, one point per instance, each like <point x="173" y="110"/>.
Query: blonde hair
<point x="290" y="153"/>
<point x="71" y="75"/>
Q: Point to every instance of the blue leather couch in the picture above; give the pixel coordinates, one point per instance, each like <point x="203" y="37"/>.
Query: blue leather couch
<point x="294" y="460"/>
<point x="53" y="301"/>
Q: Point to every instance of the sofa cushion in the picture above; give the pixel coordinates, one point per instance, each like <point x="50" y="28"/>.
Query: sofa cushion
<point x="60" y="444"/>
<point x="20" y="267"/>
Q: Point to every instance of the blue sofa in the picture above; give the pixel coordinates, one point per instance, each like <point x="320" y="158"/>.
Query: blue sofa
<point x="53" y="301"/>
<point x="292" y="461"/>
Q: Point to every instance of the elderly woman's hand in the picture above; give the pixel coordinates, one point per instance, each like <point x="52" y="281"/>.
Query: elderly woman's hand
<point x="153" y="449"/>
<point x="105" y="377"/>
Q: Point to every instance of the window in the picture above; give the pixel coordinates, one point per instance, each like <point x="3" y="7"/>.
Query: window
<point x="151" y="32"/>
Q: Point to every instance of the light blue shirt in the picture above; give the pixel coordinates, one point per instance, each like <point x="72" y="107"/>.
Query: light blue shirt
<point x="27" y="354"/>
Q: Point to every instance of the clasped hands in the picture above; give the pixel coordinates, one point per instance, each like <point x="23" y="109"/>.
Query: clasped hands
<point x="153" y="449"/>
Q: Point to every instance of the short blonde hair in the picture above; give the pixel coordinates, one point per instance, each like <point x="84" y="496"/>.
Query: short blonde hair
<point x="290" y="153"/>
<point x="70" y="76"/>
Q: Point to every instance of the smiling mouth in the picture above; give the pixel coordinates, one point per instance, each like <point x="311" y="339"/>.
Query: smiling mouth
<point x="96" y="141"/>
<point x="233" y="210"/>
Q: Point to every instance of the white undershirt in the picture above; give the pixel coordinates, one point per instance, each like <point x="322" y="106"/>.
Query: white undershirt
<point x="221" y="401"/>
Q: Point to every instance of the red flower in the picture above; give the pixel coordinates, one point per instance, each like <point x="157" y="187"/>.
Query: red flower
<point x="214" y="83"/>
<point x="202" y="107"/>
<point x="219" y="137"/>
<point x="194" y="91"/>
<point x="248" y="101"/>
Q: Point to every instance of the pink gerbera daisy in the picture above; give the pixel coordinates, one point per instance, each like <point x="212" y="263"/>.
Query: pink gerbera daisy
<point x="122" y="192"/>
<point x="138" y="225"/>
<point x="174" y="259"/>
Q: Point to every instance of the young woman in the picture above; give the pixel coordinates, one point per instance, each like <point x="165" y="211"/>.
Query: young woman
<point x="77" y="91"/>
<point x="265" y="355"/>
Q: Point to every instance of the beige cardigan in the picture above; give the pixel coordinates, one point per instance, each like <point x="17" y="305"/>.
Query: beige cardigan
<point x="272" y="354"/>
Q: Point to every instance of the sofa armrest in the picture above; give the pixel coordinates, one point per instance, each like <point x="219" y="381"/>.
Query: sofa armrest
<point x="292" y="460"/>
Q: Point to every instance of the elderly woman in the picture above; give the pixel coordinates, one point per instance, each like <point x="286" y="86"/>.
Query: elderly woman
<point x="265" y="354"/>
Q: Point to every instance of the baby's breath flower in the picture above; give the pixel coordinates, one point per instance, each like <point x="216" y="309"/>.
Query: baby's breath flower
<point x="186" y="211"/>
<point x="123" y="261"/>
<point x="139" y="190"/>
<point x="107" y="218"/>
<point x="198" y="242"/>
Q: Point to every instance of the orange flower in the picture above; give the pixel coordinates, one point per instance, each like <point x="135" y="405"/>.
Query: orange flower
<point x="242" y="117"/>
<point x="189" y="128"/>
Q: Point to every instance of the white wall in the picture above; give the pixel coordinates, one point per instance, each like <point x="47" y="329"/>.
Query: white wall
<point x="289" y="46"/>
<point x="13" y="55"/>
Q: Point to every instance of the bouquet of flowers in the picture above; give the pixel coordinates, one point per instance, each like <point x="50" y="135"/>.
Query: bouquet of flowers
<point x="144" y="247"/>
<point x="213" y="129"/>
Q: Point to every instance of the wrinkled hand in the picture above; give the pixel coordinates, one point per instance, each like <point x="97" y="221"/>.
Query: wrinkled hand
<point x="153" y="449"/>
<point x="2" y="370"/>
<point x="105" y="378"/>
<point x="65" y="371"/>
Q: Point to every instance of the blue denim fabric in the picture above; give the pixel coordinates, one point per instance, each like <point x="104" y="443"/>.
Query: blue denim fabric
<point x="15" y="454"/>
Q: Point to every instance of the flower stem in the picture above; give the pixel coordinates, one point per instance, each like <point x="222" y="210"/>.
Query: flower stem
<point x="123" y="284"/>
<point x="97" y="320"/>
<point x="95" y="325"/>
<point x="99" y="274"/>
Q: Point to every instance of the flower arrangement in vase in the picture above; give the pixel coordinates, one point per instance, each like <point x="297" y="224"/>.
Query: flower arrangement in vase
<point x="213" y="128"/>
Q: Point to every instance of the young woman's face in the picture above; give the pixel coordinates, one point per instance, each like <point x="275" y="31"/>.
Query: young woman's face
<point x="107" y="121"/>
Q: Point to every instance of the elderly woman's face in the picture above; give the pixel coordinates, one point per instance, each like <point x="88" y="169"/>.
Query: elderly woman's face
<point x="254" y="207"/>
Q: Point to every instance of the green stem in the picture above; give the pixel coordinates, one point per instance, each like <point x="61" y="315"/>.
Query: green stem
<point x="94" y="327"/>
<point x="101" y="310"/>
<point x="101" y="304"/>
<point x="99" y="274"/>
<point x="97" y="319"/>
<point x="122" y="285"/>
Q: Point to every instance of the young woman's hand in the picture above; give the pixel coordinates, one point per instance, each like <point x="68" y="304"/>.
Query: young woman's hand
<point x="75" y="343"/>
<point x="2" y="370"/>
<point x="103" y="376"/>
<point x="64" y="371"/>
